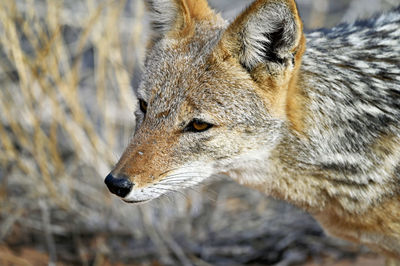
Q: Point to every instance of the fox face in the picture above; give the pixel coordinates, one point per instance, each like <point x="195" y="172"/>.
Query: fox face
<point x="213" y="98"/>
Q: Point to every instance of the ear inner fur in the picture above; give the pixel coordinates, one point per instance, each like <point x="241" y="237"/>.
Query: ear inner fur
<point x="268" y="13"/>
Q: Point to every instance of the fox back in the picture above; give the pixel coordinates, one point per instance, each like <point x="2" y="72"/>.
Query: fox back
<point x="315" y="123"/>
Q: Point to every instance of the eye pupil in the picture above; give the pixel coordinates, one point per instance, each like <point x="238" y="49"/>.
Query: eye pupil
<point x="143" y="106"/>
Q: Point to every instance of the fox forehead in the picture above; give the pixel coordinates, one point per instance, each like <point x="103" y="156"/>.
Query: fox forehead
<point x="172" y="63"/>
<point x="189" y="76"/>
<point x="216" y="92"/>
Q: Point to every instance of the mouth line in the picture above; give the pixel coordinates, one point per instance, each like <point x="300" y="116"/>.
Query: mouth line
<point x="135" y="201"/>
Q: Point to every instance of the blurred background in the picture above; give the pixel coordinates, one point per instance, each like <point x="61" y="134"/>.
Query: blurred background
<point x="68" y="73"/>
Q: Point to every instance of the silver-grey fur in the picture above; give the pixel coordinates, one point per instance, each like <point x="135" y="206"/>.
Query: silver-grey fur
<point x="353" y="81"/>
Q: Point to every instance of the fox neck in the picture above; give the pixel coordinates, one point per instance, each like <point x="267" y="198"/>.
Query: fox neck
<point x="346" y="153"/>
<point x="336" y="152"/>
<point x="287" y="174"/>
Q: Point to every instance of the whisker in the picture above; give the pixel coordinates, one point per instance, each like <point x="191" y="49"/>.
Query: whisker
<point x="166" y="172"/>
<point x="192" y="188"/>
<point x="187" y="183"/>
<point x="174" y="183"/>
<point x="185" y="175"/>
<point x="174" y="191"/>
<point x="180" y="183"/>
<point x="184" y="179"/>
<point x="173" y="169"/>
<point x="160" y="188"/>
<point x="163" y="187"/>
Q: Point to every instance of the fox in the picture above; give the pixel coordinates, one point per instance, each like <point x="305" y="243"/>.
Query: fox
<point x="311" y="118"/>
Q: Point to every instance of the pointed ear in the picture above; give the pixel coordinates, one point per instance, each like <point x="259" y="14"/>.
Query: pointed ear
<point x="175" y="15"/>
<point x="269" y="32"/>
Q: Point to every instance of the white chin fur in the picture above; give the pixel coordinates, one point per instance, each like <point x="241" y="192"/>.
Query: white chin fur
<point x="139" y="195"/>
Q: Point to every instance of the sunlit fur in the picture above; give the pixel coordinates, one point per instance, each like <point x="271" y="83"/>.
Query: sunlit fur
<point x="312" y="122"/>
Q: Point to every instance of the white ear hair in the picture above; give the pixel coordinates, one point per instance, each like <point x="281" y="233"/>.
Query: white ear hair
<point x="163" y="15"/>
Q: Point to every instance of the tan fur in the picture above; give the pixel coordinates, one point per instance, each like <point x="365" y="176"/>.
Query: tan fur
<point x="134" y="163"/>
<point x="377" y="228"/>
<point x="296" y="100"/>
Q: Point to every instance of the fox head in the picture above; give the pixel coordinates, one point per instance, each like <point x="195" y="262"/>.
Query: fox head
<point x="215" y="97"/>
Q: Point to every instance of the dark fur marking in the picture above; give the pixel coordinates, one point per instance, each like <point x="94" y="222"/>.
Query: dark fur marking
<point x="270" y="49"/>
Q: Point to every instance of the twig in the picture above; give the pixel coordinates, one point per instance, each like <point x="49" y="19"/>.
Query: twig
<point x="48" y="235"/>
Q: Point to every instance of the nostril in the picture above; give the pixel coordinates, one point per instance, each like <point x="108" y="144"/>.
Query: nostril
<point x="118" y="186"/>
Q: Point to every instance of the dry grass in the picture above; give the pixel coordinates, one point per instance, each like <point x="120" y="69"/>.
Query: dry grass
<point x="66" y="112"/>
<point x="65" y="102"/>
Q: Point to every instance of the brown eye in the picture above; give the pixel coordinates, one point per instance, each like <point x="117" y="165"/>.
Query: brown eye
<point x="143" y="106"/>
<point x="197" y="125"/>
<point x="200" y="126"/>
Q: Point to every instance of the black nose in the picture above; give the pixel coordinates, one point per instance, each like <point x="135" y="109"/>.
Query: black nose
<point x="118" y="186"/>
